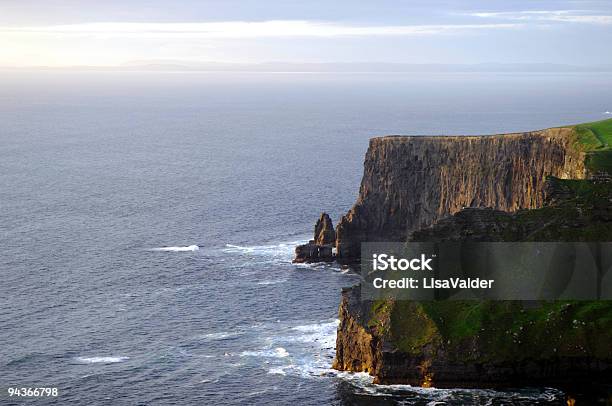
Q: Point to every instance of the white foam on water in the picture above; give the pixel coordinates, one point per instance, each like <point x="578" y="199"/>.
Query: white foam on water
<point x="314" y="352"/>
<point x="608" y="112"/>
<point x="277" y="371"/>
<point x="318" y="327"/>
<point x="101" y="360"/>
<point x="322" y="333"/>
<point x="364" y="382"/>
<point x="324" y="266"/>
<point x="189" y="248"/>
<point x="222" y="335"/>
<point x="282" y="249"/>
<point x="278" y="352"/>
<point x="312" y="349"/>
<point x="272" y="282"/>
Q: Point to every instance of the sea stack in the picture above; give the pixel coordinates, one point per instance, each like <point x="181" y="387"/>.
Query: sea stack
<point x="320" y="248"/>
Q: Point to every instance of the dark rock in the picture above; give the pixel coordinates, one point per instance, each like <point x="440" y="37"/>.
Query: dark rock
<point x="311" y="252"/>
<point x="409" y="183"/>
<point x="324" y="233"/>
<point x="320" y="249"/>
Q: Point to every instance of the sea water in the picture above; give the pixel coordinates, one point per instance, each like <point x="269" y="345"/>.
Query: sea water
<point x="148" y="222"/>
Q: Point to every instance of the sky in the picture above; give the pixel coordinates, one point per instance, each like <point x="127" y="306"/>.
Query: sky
<point x="66" y="33"/>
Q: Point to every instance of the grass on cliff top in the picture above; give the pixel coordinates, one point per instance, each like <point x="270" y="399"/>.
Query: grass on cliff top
<point x="503" y="331"/>
<point x="595" y="135"/>
<point x="596" y="140"/>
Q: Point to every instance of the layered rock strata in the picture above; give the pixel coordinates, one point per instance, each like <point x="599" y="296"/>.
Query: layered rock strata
<point x="514" y="187"/>
<point x="411" y="182"/>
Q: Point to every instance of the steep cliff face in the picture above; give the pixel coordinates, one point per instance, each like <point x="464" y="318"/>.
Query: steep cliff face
<point x="475" y="343"/>
<point x="491" y="343"/>
<point x="357" y="348"/>
<point x="514" y="187"/>
<point x="411" y="182"/>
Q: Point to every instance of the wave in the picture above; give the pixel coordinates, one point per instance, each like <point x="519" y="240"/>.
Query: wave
<point x="272" y="282"/>
<point x="312" y="350"/>
<point x="284" y="249"/>
<point x="101" y="360"/>
<point x="323" y="336"/>
<point x="608" y="112"/>
<point x="278" y="352"/>
<point x="325" y="266"/>
<point x="323" y="329"/>
<point x="223" y="335"/>
<point x="364" y="383"/>
<point x="277" y="371"/>
<point x="177" y="249"/>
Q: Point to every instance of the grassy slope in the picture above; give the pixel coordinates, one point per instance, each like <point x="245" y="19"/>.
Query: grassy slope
<point x="504" y="331"/>
<point x="596" y="139"/>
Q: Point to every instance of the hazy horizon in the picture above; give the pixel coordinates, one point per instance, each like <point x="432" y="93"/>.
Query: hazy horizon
<point x="70" y="33"/>
<point x="324" y="67"/>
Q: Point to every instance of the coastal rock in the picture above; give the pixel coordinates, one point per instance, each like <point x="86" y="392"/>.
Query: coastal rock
<point x="324" y="233"/>
<point x="319" y="249"/>
<point x="549" y="185"/>
<point x="432" y="344"/>
<point x="411" y="182"/>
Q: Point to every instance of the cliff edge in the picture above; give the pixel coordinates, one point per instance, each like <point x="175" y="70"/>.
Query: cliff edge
<point x="411" y="182"/>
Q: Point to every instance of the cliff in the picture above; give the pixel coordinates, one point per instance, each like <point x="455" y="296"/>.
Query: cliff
<point x="411" y="182"/>
<point x="490" y="343"/>
<point x="476" y="343"/>
<point x="549" y="185"/>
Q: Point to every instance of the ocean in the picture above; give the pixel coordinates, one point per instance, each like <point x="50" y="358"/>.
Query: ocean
<point x="148" y="222"/>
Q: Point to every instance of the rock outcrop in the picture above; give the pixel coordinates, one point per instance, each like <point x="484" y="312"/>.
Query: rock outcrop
<point x="320" y="248"/>
<point x="324" y="233"/>
<point x="411" y="182"/>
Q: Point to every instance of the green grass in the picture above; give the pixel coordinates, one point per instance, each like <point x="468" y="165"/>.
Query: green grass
<point x="594" y="136"/>
<point x="411" y="328"/>
<point x="596" y="140"/>
<point x="502" y="330"/>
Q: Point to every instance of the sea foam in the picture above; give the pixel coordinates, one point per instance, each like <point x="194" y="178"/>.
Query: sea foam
<point x="177" y="249"/>
<point x="278" y="352"/>
<point x="101" y="360"/>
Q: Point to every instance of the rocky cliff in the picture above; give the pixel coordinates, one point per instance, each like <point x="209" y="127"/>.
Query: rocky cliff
<point x="490" y="343"/>
<point x="411" y="182"/>
<point x="476" y="343"/>
<point x="515" y="187"/>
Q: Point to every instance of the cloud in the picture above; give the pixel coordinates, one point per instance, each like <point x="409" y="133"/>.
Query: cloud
<point x="567" y="16"/>
<point x="243" y="29"/>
